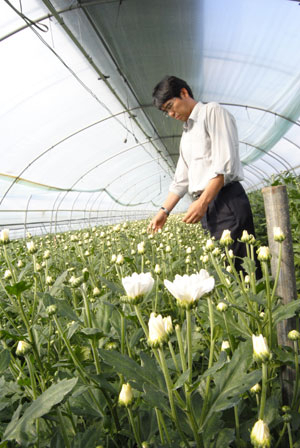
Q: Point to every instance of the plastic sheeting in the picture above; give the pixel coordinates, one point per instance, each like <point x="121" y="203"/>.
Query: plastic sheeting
<point x="79" y="137"/>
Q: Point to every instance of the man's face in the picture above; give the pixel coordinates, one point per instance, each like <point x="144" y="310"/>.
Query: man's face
<point x="179" y="108"/>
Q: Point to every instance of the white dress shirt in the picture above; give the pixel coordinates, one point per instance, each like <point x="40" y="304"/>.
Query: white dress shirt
<point x="209" y="146"/>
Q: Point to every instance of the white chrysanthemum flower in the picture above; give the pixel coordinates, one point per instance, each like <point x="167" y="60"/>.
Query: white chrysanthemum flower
<point x="159" y="329"/>
<point x="187" y="289"/>
<point x="137" y="285"/>
<point x="260" y="435"/>
<point x="126" y="395"/>
<point x="261" y="351"/>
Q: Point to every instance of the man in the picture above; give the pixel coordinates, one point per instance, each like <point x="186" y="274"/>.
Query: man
<point x="208" y="167"/>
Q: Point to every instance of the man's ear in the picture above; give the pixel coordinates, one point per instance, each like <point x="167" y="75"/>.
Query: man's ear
<point x="184" y="93"/>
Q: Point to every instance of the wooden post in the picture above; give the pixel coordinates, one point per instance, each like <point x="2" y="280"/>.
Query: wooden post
<point x="277" y="215"/>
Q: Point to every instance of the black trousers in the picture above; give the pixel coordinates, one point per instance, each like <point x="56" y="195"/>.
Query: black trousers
<point x="231" y="210"/>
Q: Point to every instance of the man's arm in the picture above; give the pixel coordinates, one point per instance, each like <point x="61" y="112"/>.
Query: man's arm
<point x="198" y="208"/>
<point x="160" y="218"/>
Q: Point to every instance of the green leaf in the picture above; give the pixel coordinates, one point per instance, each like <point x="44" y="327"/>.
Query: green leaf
<point x="225" y="437"/>
<point x="89" y="438"/>
<point x="155" y="399"/>
<point x="286" y="311"/>
<point x="59" y="283"/>
<point x="92" y="333"/>
<point x="17" y="288"/>
<point x="19" y="429"/>
<point x="4" y="360"/>
<point x="132" y="371"/>
<point x="182" y="379"/>
<point x="233" y="380"/>
<point x="112" y="286"/>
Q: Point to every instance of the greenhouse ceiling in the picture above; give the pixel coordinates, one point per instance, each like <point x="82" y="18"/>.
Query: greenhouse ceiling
<point x="80" y="139"/>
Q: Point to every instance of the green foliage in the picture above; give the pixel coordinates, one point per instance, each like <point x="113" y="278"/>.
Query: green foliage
<point x="83" y="343"/>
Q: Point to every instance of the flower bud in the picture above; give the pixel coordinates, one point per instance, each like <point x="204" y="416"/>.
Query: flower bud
<point x="126" y="395"/>
<point x="75" y="281"/>
<point x="225" y="346"/>
<point x="260" y="435"/>
<point x="49" y="280"/>
<point x="247" y="278"/>
<point x="168" y="249"/>
<point x="120" y="259"/>
<point x="230" y="253"/>
<point x="222" y="307"/>
<point x="255" y="389"/>
<point x="294" y="335"/>
<point x="216" y="252"/>
<point x="263" y="253"/>
<point x="31" y="247"/>
<point x="23" y="347"/>
<point x="261" y="350"/>
<point x="96" y="292"/>
<point x="245" y="238"/>
<point x="209" y="246"/>
<point x="226" y="239"/>
<point x="7" y="274"/>
<point x="47" y="254"/>
<point x="278" y="234"/>
<point x="157" y="269"/>
<point x="141" y="248"/>
<point x="4" y="236"/>
<point x="188" y="250"/>
<point x="20" y="264"/>
<point x="51" y="309"/>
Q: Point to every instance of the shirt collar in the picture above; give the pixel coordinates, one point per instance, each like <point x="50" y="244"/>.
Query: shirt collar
<point x="193" y="116"/>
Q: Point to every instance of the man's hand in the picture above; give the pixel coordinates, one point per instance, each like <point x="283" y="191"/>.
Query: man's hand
<point x="157" y="222"/>
<point x="195" y="212"/>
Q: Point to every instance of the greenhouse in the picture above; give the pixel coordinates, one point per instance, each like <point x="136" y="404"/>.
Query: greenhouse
<point x="130" y="316"/>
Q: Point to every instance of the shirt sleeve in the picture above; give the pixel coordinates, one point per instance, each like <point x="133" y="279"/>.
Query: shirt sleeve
<point x="222" y="130"/>
<point x="180" y="181"/>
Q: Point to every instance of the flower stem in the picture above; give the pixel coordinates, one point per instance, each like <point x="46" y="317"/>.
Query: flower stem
<point x="135" y="432"/>
<point x="170" y="394"/>
<point x="237" y="426"/>
<point x="296" y="383"/>
<point x="277" y="272"/>
<point x="210" y="361"/>
<point x="263" y="391"/>
<point x="269" y="300"/>
<point x="189" y="343"/>
<point x="181" y="350"/>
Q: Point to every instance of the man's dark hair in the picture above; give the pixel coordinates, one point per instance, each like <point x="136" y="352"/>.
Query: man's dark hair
<point x="169" y="87"/>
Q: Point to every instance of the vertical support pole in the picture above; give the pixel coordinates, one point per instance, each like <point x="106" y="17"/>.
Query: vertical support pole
<point x="277" y="215"/>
